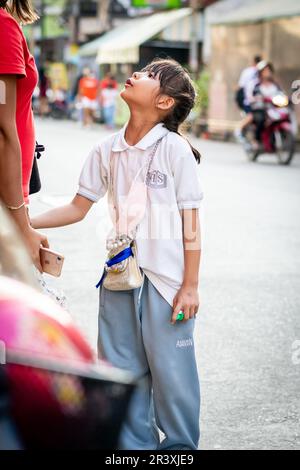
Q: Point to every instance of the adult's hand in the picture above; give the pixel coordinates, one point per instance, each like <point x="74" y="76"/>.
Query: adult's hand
<point x="34" y="241"/>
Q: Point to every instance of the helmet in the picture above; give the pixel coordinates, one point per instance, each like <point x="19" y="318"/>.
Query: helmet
<point x="57" y="397"/>
<point x="263" y="64"/>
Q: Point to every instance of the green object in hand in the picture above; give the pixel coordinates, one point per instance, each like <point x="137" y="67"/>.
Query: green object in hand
<point x="180" y="316"/>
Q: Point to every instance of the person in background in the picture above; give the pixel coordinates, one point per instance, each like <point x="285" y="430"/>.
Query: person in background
<point x="264" y="88"/>
<point x="108" y="80"/>
<point x="248" y="77"/>
<point x="75" y="108"/>
<point x="266" y="84"/>
<point x="75" y="88"/>
<point x="18" y="79"/>
<point x="108" y="99"/>
<point x="88" y="94"/>
<point x="44" y="84"/>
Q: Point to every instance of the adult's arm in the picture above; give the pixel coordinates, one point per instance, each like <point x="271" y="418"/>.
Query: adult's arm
<point x="11" y="191"/>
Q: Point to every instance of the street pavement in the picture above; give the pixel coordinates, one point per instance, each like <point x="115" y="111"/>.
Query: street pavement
<point x="249" y="321"/>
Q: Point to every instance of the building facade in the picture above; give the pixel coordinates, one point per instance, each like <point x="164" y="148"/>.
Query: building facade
<point x="234" y="43"/>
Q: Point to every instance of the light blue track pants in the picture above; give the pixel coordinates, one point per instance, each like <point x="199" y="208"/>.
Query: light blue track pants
<point x="135" y="333"/>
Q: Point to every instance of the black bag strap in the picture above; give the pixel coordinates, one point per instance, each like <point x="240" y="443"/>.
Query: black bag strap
<point x="39" y="149"/>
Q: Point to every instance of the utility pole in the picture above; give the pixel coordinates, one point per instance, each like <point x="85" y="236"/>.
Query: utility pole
<point x="103" y="14"/>
<point x="75" y="19"/>
<point x="194" y="46"/>
<point x="43" y="31"/>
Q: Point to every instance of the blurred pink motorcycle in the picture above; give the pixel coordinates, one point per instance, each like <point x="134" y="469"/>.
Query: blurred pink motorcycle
<point x="54" y="394"/>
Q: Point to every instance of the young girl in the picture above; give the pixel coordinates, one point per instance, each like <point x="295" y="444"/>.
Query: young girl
<point x="138" y="330"/>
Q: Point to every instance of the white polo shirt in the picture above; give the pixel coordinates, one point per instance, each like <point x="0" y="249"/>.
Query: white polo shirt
<point x="172" y="184"/>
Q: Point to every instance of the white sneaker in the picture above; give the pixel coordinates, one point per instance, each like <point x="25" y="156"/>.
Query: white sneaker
<point x="240" y="138"/>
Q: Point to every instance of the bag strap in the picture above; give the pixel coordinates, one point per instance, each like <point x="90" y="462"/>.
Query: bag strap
<point x="39" y="149"/>
<point x="124" y="254"/>
<point x="152" y="155"/>
<point x="111" y="172"/>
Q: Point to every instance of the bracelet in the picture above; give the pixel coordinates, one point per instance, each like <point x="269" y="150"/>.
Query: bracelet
<point x="12" y="208"/>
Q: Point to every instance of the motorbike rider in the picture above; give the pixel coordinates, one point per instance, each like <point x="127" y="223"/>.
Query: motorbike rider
<point x="248" y="75"/>
<point x="262" y="87"/>
<point x="265" y="89"/>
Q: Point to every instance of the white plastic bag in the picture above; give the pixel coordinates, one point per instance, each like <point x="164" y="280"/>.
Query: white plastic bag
<point x="56" y="294"/>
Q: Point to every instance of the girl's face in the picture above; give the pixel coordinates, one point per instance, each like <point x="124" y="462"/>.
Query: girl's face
<point x="267" y="74"/>
<point x="142" y="88"/>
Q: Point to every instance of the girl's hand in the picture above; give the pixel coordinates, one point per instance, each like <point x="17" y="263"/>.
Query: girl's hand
<point x="187" y="301"/>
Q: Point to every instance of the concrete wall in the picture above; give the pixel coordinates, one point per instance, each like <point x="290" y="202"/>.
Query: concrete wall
<point x="232" y="49"/>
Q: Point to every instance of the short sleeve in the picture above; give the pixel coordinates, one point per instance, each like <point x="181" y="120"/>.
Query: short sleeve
<point x="12" y="61"/>
<point x="243" y="79"/>
<point x="93" y="181"/>
<point x="188" y="189"/>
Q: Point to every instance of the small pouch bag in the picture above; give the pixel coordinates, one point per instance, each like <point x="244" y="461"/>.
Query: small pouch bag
<point x="121" y="269"/>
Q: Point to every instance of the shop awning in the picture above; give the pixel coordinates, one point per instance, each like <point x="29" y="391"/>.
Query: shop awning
<point x="121" y="45"/>
<point x="251" y="11"/>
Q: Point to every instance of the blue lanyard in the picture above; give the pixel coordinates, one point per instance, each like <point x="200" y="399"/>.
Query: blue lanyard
<point x="115" y="260"/>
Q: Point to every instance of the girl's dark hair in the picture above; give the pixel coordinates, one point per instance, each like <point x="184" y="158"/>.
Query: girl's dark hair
<point x="23" y="9"/>
<point x="175" y="82"/>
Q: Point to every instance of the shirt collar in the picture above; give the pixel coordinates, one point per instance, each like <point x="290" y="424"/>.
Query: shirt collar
<point x="149" y="139"/>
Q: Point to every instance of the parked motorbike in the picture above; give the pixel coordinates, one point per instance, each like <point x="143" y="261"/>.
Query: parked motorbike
<point x="272" y="131"/>
<point x="58" y="104"/>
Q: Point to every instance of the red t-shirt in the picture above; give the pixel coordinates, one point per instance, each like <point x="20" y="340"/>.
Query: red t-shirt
<point x="88" y="87"/>
<point x="15" y="59"/>
<point x="107" y="81"/>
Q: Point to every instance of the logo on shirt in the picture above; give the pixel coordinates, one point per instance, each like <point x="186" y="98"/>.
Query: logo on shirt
<point x="156" y="179"/>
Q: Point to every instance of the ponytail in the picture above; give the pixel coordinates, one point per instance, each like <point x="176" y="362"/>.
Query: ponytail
<point x="172" y="125"/>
